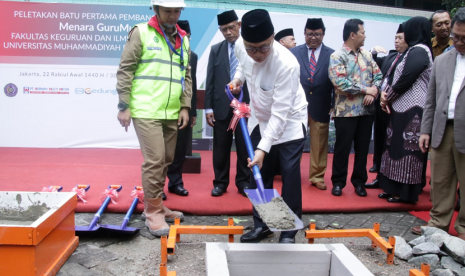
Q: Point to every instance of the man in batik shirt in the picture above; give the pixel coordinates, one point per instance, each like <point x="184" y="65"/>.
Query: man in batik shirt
<point x="356" y="78"/>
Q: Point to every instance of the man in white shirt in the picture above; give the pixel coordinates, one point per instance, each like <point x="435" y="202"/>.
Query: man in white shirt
<point x="279" y="105"/>
<point x="443" y="127"/>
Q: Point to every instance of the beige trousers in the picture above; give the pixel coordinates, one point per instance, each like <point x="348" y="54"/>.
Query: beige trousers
<point x="319" y="133"/>
<point x="447" y="170"/>
<point x="157" y="139"/>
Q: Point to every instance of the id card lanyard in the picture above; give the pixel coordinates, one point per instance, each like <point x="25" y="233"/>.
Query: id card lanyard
<point x="181" y="55"/>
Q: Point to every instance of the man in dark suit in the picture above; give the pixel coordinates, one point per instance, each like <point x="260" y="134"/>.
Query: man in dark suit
<point x="313" y="57"/>
<point x="222" y="65"/>
<point x="443" y="129"/>
<point x="387" y="66"/>
<point x="176" y="185"/>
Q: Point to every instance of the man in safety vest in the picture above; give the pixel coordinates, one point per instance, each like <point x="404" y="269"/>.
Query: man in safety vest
<point x="155" y="89"/>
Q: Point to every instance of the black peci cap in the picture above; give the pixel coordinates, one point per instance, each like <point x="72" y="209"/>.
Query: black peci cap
<point x="400" y="30"/>
<point x="256" y="26"/>
<point x="314" y="24"/>
<point x="226" y="17"/>
<point x="184" y="24"/>
<point x="283" y="33"/>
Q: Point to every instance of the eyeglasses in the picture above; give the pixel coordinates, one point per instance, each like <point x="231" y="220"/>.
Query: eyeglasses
<point x="457" y="38"/>
<point x="225" y="29"/>
<point x="316" y="35"/>
<point x="262" y="50"/>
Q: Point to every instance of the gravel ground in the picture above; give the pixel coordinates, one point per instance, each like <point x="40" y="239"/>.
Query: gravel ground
<point x="140" y="254"/>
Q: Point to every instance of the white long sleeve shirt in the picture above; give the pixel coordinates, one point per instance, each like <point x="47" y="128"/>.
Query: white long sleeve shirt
<point x="459" y="77"/>
<point x="277" y="99"/>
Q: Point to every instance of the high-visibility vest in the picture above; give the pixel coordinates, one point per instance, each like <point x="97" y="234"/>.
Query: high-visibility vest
<point x="156" y="87"/>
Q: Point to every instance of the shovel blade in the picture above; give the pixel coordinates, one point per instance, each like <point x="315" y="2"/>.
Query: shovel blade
<point x="256" y="199"/>
<point x="118" y="230"/>
<point x="80" y="230"/>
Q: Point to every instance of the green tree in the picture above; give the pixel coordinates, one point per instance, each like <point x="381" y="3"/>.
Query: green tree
<point x="453" y="5"/>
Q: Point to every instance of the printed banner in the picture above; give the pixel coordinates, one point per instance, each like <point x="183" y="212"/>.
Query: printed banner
<point x="58" y="66"/>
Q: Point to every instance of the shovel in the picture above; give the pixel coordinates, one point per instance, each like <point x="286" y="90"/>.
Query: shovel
<point x="260" y="195"/>
<point x="123" y="229"/>
<point x="82" y="230"/>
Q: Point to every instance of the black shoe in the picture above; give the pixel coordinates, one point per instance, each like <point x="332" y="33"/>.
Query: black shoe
<point x="256" y="235"/>
<point x="336" y="191"/>
<point x="394" y="200"/>
<point x="179" y="190"/>
<point x="163" y="196"/>
<point x="373" y="169"/>
<point x="372" y="185"/>
<point x="241" y="191"/>
<point x="360" y="191"/>
<point x="384" y="195"/>
<point x="286" y="240"/>
<point x="217" y="191"/>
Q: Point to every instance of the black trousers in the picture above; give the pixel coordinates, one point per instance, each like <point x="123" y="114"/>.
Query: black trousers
<point x="381" y="124"/>
<point x="222" y="142"/>
<point x="175" y="169"/>
<point x="288" y="154"/>
<point x="348" y="130"/>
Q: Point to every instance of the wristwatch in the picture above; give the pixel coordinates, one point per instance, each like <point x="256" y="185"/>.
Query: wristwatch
<point x="122" y="106"/>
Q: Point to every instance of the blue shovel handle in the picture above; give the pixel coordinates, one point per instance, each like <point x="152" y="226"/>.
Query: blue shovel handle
<point x="248" y="143"/>
<point x="129" y="213"/>
<point x="101" y="209"/>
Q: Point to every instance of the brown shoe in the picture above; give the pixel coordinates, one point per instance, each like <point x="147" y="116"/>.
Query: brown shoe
<point x="155" y="217"/>
<point x="320" y="185"/>
<point x="417" y="229"/>
<point x="462" y="236"/>
<point x="171" y="215"/>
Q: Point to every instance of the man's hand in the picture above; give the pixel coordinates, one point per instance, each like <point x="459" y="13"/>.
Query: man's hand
<point x="368" y="99"/>
<point x="257" y="159"/>
<point x="378" y="49"/>
<point x="236" y="86"/>
<point x="210" y="119"/>
<point x="424" y="142"/>
<point x="183" y="119"/>
<point x="124" y="118"/>
<point x="372" y="91"/>
<point x="332" y="112"/>
<point x="384" y="102"/>
<point x="193" y="121"/>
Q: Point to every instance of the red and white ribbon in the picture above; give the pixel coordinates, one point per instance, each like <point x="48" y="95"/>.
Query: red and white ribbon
<point x="112" y="193"/>
<point x="241" y="110"/>
<point x="139" y="194"/>
<point x="49" y="189"/>
<point x="81" y="193"/>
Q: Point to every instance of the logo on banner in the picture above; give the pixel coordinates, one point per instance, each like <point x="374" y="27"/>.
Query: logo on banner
<point x="45" y="90"/>
<point x="11" y="90"/>
<point x="89" y="91"/>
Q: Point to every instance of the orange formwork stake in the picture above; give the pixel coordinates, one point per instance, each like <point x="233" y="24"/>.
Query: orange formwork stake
<point x="424" y="271"/>
<point x="176" y="230"/>
<point x="376" y="229"/>
<point x="373" y="234"/>
<point x="164" y="271"/>
<point x="164" y="260"/>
